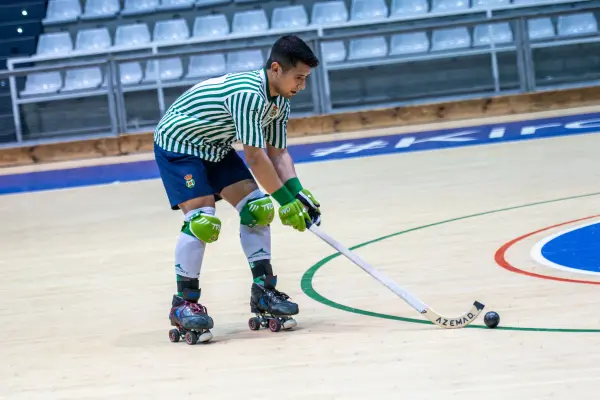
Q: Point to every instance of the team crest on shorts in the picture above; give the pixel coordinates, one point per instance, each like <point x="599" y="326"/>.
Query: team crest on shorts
<point x="189" y="181"/>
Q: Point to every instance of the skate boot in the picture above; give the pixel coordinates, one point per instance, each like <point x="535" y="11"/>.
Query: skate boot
<point x="272" y="307"/>
<point x="190" y="319"/>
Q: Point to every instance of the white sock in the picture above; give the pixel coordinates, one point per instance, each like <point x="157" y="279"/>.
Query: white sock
<point x="189" y="251"/>
<point x="256" y="242"/>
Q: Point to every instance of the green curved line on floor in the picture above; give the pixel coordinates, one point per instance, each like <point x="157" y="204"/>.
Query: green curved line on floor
<point x="308" y="288"/>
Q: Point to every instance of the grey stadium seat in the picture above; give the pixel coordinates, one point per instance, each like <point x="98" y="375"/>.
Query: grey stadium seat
<point x="362" y="10"/>
<point x="62" y="11"/>
<point x="171" y="30"/>
<point x="42" y="83"/>
<point x="329" y="12"/>
<point x="101" y="9"/>
<point x="334" y="51"/>
<point x="175" y="5"/>
<point x="93" y="39"/>
<point x="244" y="60"/>
<point x="450" y="38"/>
<point x="82" y="78"/>
<point x="206" y="65"/>
<point x="54" y="43"/>
<point x="541" y="28"/>
<point x="289" y="17"/>
<point x="577" y="24"/>
<point x="250" y="21"/>
<point x="133" y="7"/>
<point x="132" y="35"/>
<point x="371" y="47"/>
<point x="130" y="73"/>
<point x="170" y="69"/>
<point x="409" y="43"/>
<point x="215" y="25"/>
<point x="449" y="5"/>
<point x="490" y="3"/>
<point x="500" y="34"/>
<point x="409" y="7"/>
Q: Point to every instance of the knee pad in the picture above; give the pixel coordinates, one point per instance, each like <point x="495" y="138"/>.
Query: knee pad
<point x="205" y="227"/>
<point x="258" y="212"/>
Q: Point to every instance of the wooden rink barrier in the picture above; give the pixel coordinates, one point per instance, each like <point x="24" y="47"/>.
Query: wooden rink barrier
<point x="316" y="127"/>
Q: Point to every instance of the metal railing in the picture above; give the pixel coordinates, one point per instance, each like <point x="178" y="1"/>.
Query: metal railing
<point x="111" y="59"/>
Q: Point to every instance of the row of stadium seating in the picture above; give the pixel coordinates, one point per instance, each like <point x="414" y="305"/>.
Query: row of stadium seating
<point x="203" y="66"/>
<point x="62" y="11"/>
<point x="98" y="39"/>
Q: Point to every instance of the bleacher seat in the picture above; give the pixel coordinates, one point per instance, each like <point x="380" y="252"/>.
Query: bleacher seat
<point x="206" y="65"/>
<point x="54" y="43"/>
<point x="244" y="60"/>
<point x="577" y="24"/>
<point x="170" y="69"/>
<point x="289" y="17"/>
<point x="175" y="4"/>
<point x="171" y="30"/>
<point x="450" y="38"/>
<point x="449" y="5"/>
<point x="134" y="7"/>
<point x="82" y="78"/>
<point x="329" y="12"/>
<point x="42" y="83"/>
<point x="409" y="43"/>
<point x="541" y="28"/>
<point x="366" y="10"/>
<point x="96" y="9"/>
<point x="208" y="3"/>
<point x="250" y="21"/>
<point x="62" y="11"/>
<point x="371" y="47"/>
<point x="500" y="34"/>
<point x="409" y="7"/>
<point x="132" y="35"/>
<point x="93" y="39"/>
<point x="333" y="51"/>
<point x="215" y="25"/>
<point x="490" y="3"/>
<point x="130" y="73"/>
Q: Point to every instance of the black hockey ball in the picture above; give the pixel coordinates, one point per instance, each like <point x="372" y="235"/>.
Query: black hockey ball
<point x="491" y="319"/>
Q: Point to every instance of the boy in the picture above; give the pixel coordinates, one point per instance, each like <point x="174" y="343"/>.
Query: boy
<point x="198" y="166"/>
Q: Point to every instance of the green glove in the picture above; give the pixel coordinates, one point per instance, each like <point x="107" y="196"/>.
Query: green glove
<point x="306" y="198"/>
<point x="291" y="212"/>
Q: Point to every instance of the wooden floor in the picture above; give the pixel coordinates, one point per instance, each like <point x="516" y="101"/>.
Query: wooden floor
<point x="87" y="280"/>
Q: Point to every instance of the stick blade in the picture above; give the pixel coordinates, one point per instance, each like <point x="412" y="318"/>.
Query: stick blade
<point x="455" y="323"/>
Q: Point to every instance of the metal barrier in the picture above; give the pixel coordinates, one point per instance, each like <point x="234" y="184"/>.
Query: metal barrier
<point x="111" y="60"/>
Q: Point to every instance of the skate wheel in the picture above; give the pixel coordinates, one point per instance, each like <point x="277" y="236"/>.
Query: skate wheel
<point x="174" y="335"/>
<point x="254" y="323"/>
<point x="205" y="336"/>
<point x="274" y="325"/>
<point x="289" y="323"/>
<point x="191" y="337"/>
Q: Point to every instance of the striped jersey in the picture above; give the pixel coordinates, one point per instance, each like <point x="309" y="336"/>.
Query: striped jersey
<point x="208" y="118"/>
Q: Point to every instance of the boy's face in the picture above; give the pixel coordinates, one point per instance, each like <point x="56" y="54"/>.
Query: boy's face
<point x="289" y="82"/>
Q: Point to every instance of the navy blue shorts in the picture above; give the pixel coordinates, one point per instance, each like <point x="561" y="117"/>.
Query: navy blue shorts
<point x="187" y="177"/>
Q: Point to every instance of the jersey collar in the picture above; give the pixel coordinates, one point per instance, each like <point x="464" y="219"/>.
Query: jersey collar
<point x="266" y="81"/>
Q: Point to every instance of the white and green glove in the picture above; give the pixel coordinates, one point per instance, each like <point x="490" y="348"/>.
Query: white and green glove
<point x="306" y="198"/>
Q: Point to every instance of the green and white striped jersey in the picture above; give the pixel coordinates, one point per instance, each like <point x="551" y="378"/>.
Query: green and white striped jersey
<point x="208" y="118"/>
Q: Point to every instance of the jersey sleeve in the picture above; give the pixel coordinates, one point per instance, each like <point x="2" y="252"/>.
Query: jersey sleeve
<point x="247" y="109"/>
<point x="276" y="131"/>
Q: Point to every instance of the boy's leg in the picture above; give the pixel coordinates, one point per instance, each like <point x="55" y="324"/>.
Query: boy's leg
<point x="187" y="187"/>
<point x="237" y="187"/>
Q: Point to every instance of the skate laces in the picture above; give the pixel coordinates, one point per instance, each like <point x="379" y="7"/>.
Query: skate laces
<point x="197" y="308"/>
<point x="277" y="295"/>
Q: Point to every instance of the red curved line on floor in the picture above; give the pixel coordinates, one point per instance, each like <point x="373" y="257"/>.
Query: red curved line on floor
<point x="501" y="253"/>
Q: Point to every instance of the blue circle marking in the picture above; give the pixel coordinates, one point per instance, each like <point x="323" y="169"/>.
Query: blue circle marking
<point x="575" y="250"/>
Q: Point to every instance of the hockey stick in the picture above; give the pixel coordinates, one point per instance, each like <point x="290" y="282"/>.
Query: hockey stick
<point x="437" y="319"/>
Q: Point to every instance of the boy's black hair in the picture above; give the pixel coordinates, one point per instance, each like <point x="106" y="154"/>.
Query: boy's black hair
<point x="289" y="50"/>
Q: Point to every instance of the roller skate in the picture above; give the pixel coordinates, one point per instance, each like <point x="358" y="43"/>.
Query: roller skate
<point x="272" y="307"/>
<point x="190" y="320"/>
